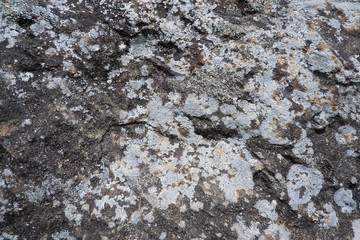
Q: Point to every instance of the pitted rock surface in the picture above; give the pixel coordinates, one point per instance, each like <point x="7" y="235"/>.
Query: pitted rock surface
<point x="179" y="119"/>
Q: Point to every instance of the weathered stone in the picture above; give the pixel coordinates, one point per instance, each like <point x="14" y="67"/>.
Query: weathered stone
<point x="206" y="119"/>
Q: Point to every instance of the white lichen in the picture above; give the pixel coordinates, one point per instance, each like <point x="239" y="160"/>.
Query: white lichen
<point x="303" y="183"/>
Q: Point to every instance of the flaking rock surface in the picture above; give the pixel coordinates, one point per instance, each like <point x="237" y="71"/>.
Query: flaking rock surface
<point x="179" y="119"/>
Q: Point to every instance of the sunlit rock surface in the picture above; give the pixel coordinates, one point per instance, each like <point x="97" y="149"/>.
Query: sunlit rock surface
<point x="179" y="119"/>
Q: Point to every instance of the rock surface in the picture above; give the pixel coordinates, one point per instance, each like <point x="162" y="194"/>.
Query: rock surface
<point x="179" y="119"/>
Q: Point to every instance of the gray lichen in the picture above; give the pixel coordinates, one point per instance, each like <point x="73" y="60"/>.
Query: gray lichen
<point x="179" y="119"/>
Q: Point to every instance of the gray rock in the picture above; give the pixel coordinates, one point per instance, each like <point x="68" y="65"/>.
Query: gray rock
<point x="179" y="119"/>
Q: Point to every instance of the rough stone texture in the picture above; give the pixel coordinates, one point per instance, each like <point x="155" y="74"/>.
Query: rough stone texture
<point x="179" y="119"/>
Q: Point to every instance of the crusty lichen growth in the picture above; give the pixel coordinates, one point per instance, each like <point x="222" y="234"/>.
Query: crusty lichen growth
<point x="179" y="119"/>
